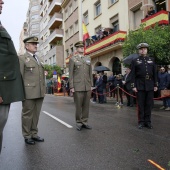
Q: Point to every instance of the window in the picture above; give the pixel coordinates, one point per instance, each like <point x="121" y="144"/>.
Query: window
<point x="35" y="17"/>
<point x="115" y="26"/>
<point x="66" y="14"/>
<point x="97" y="29"/>
<point x="138" y="15"/>
<point x="86" y="17"/>
<point x="71" y="49"/>
<point x="54" y="60"/>
<point x="35" y="8"/>
<point x="35" y="34"/>
<point x="97" y="8"/>
<point x="67" y="36"/>
<point x="114" y="22"/>
<point x="70" y="9"/>
<point x="50" y="61"/>
<point x="112" y="1"/>
<point x="76" y="28"/>
<point x="75" y="4"/>
<point x="71" y="31"/>
<point x="67" y="53"/>
<point x="35" y="26"/>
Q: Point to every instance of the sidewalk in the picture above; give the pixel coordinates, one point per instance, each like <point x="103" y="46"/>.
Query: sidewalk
<point x="111" y="104"/>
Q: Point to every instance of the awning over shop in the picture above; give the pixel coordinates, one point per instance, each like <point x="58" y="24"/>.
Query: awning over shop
<point x="160" y="17"/>
<point x="111" y="39"/>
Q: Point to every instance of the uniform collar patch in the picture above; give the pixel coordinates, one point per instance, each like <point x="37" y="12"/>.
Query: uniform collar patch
<point x="27" y="60"/>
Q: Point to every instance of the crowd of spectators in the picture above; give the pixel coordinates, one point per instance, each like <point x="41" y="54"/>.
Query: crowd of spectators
<point x="102" y="33"/>
<point x="103" y="89"/>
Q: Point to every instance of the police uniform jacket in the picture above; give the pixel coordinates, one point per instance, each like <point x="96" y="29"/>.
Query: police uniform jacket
<point x="11" y="85"/>
<point x="80" y="73"/>
<point x="144" y="75"/>
<point x="33" y="76"/>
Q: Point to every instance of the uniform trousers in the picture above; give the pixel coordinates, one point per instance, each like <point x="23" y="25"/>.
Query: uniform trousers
<point x="82" y="102"/>
<point x="30" y="116"/>
<point x="4" y="111"/>
<point x="145" y="105"/>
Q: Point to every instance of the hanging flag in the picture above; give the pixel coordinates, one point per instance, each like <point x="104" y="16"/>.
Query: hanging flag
<point x="85" y="32"/>
<point x="58" y="83"/>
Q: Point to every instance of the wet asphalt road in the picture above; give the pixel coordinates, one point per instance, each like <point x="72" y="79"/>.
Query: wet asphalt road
<point x="114" y="143"/>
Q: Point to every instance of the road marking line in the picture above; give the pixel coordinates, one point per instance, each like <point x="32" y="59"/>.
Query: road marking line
<point x="155" y="164"/>
<point x="62" y="122"/>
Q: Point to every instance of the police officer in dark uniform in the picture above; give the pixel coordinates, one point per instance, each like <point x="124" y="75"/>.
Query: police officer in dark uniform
<point x="144" y="83"/>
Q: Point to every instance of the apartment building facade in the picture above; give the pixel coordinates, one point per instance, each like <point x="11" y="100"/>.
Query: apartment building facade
<point x="71" y="27"/>
<point x="138" y="10"/>
<point x="100" y="15"/>
<point x="33" y="18"/>
<point x="51" y="32"/>
<point x="31" y="26"/>
<point x="23" y="35"/>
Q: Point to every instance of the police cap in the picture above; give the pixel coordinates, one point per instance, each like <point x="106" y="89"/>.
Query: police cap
<point x="32" y="39"/>
<point x="142" y="45"/>
<point x="79" y="44"/>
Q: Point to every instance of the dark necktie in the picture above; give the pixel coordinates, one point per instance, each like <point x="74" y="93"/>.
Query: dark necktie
<point x="35" y="58"/>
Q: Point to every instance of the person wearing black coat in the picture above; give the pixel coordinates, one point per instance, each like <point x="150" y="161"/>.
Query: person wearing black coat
<point x="99" y="87"/>
<point x="144" y="83"/>
<point x="167" y="99"/>
<point x="111" y="84"/>
<point x="128" y="88"/>
<point x="118" y="82"/>
<point x="11" y="84"/>
<point x="162" y="84"/>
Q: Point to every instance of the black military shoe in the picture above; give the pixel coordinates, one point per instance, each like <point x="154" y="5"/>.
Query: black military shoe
<point x="30" y="141"/>
<point x="79" y="127"/>
<point x="148" y="125"/>
<point x="140" y="126"/>
<point x="38" y="139"/>
<point x="86" y="126"/>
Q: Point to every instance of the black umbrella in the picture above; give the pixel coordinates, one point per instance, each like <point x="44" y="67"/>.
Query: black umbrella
<point x="101" y="68"/>
<point x="129" y="58"/>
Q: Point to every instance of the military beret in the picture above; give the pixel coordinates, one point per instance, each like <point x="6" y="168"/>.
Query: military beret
<point x="79" y="44"/>
<point x="142" y="45"/>
<point x="32" y="39"/>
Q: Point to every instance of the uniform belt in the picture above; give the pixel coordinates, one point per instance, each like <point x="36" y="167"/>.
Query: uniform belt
<point x="147" y="77"/>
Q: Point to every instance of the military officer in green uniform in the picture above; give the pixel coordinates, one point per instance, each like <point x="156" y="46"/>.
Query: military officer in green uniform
<point x="80" y="80"/>
<point x="11" y="86"/>
<point x="32" y="71"/>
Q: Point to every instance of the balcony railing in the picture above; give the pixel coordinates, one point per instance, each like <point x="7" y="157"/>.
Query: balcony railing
<point x="105" y="42"/>
<point x="161" y="17"/>
<point x="56" y="35"/>
<point x="55" y="6"/>
<point x="55" y="21"/>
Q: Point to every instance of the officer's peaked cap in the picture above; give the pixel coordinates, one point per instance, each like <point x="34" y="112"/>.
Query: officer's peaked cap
<point x="79" y="44"/>
<point x="32" y="39"/>
<point x="142" y="45"/>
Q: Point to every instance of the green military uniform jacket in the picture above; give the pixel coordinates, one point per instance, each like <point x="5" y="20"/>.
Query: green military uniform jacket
<point x="11" y="85"/>
<point x="33" y="76"/>
<point x="80" y="73"/>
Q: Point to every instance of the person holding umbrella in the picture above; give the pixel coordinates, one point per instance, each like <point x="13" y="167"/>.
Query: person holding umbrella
<point x="144" y="83"/>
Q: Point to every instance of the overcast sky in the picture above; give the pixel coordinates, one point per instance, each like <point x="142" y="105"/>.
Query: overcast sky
<point x="13" y="17"/>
